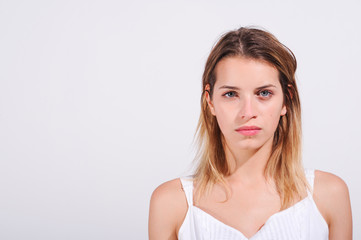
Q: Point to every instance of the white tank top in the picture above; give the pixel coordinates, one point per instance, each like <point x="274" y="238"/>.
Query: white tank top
<point x="302" y="221"/>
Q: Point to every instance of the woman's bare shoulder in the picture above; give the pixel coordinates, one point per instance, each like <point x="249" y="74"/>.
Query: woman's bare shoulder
<point x="169" y="193"/>
<point x="332" y="198"/>
<point x="168" y="207"/>
<point x="328" y="183"/>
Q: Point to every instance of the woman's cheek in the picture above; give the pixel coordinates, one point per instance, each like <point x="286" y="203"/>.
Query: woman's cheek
<point x="225" y="122"/>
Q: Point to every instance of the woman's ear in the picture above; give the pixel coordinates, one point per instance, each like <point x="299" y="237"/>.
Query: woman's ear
<point x="284" y="110"/>
<point x="209" y="101"/>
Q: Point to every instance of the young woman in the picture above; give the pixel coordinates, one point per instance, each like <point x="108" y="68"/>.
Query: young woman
<point x="250" y="182"/>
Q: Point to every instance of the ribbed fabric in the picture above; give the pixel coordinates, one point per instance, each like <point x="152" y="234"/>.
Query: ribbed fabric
<point x="302" y="221"/>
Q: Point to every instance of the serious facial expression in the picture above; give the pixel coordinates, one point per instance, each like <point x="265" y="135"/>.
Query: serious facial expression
<point x="247" y="94"/>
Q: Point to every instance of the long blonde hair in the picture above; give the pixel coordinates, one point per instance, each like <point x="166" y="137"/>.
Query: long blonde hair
<point x="285" y="162"/>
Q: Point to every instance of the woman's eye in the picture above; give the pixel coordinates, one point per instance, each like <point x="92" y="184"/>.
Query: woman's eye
<point x="265" y="93"/>
<point x="230" y="94"/>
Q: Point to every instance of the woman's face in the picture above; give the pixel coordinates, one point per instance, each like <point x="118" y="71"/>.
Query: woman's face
<point x="247" y="93"/>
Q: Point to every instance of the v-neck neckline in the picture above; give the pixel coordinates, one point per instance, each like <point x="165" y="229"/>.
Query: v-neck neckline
<point x="267" y="222"/>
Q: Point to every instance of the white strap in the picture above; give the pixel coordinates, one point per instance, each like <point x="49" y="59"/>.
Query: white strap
<point x="310" y="176"/>
<point x="187" y="185"/>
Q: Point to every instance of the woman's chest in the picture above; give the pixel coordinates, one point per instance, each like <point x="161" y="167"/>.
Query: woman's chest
<point x="246" y="212"/>
<point x="297" y="223"/>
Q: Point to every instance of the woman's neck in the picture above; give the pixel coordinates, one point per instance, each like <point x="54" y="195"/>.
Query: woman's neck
<point x="248" y="164"/>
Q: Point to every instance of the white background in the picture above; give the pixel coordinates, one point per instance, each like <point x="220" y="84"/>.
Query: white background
<point x="99" y="101"/>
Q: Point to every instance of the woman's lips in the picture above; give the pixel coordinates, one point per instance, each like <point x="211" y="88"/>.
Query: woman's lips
<point x="248" y="130"/>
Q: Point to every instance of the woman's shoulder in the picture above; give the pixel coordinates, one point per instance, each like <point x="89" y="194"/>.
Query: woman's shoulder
<point x="331" y="196"/>
<point x="328" y="185"/>
<point x="169" y="191"/>
<point x="330" y="182"/>
<point x="168" y="207"/>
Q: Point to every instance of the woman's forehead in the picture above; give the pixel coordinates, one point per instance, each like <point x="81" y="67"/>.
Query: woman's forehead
<point x="245" y="72"/>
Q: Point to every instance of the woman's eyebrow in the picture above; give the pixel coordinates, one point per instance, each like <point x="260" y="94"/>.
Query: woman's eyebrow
<point x="228" y="87"/>
<point x="266" y="86"/>
<point x="237" y="88"/>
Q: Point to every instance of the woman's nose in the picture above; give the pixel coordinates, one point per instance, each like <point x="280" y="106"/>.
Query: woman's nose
<point x="248" y="108"/>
